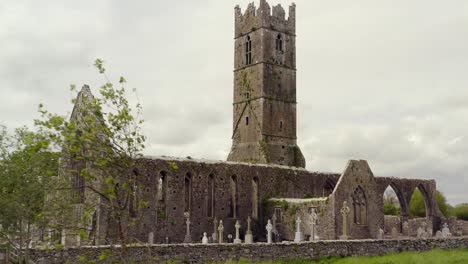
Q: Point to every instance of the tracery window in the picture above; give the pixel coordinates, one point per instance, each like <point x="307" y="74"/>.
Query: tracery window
<point x="360" y="206"/>
<point x="248" y="51"/>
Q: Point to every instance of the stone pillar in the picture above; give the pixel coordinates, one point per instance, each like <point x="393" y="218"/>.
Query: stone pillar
<point x="248" y="234"/>
<point x="344" y="213"/>
<point x="237" y="240"/>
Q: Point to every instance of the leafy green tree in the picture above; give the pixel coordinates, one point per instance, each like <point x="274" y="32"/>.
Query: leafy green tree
<point x="461" y="211"/>
<point x="391" y="209"/>
<point x="104" y="135"/>
<point x="418" y="204"/>
<point x="27" y="166"/>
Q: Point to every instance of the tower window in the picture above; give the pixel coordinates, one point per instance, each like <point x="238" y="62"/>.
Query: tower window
<point x="281" y="126"/>
<point x="248" y="51"/>
<point x="279" y="43"/>
<point x="247" y="121"/>
<point x="247" y="95"/>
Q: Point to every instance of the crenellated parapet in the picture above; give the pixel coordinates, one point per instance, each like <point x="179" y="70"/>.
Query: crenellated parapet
<point x="265" y="17"/>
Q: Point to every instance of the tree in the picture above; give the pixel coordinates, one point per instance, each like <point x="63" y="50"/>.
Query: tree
<point x="391" y="202"/>
<point x="461" y="211"/>
<point x="100" y="144"/>
<point x="418" y="205"/>
<point x="27" y="167"/>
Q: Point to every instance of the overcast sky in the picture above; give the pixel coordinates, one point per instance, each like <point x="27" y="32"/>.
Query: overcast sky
<point x="385" y="80"/>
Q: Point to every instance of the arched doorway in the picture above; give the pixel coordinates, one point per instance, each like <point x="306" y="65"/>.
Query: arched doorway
<point x="395" y="208"/>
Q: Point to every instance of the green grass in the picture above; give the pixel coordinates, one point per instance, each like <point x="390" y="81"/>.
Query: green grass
<point x="430" y="257"/>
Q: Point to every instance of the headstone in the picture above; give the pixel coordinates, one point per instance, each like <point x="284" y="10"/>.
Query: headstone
<point x="188" y="237"/>
<point x="425" y="234"/>
<point x="380" y="234"/>
<point x="214" y="236"/>
<point x="167" y="240"/>
<point x="229" y="238"/>
<point x="406" y="229"/>
<point x="204" y="239"/>
<point x="237" y="240"/>
<point x="344" y="213"/>
<point x="269" y="229"/>
<point x="299" y="236"/>
<point x="394" y="233"/>
<point x="248" y="235"/>
<point x="276" y="236"/>
<point x="446" y="231"/>
<point x="151" y="238"/>
<point x="420" y="232"/>
<point x="220" y="232"/>
<point x="314" y="219"/>
<point x="438" y="234"/>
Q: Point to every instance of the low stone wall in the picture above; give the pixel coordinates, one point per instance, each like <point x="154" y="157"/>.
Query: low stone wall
<point x="197" y="253"/>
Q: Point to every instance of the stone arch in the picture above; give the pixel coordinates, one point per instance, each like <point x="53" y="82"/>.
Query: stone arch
<point x="255" y="198"/>
<point x="404" y="209"/>
<point x="359" y="206"/>
<point x="161" y="194"/>
<point x="328" y="187"/>
<point x="426" y="199"/>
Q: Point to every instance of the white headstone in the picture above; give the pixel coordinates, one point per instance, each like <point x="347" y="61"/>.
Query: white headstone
<point x="220" y="232"/>
<point x="151" y="238"/>
<point x="248" y="235"/>
<point x="394" y="233"/>
<point x="420" y="232"/>
<point x="214" y="236"/>
<point x="204" y="239"/>
<point x="299" y="236"/>
<point x="446" y="231"/>
<point x="237" y="240"/>
<point x="438" y="234"/>
<point x="269" y="229"/>
<point x="380" y="234"/>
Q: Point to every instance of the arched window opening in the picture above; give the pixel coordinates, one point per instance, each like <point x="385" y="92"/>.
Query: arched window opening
<point x="234" y="198"/>
<point x="162" y="194"/>
<point x="328" y="187"/>
<point x="246" y="120"/>
<point x="188" y="192"/>
<point x="279" y="43"/>
<point x="255" y="203"/>
<point x="393" y="203"/>
<point x="360" y="206"/>
<point x="418" y="206"/>
<point x="211" y="195"/>
<point x="248" y="51"/>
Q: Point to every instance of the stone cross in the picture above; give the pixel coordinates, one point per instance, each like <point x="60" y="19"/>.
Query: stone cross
<point x="394" y="233"/>
<point x="204" y="239"/>
<point x="380" y="234"/>
<point x="237" y="240"/>
<point x="269" y="228"/>
<point x="188" y="237"/>
<point x="446" y="231"/>
<point x="214" y="236"/>
<point x="344" y="213"/>
<point x="299" y="236"/>
<point x="314" y="218"/>
<point x="220" y="232"/>
<point x="248" y="235"/>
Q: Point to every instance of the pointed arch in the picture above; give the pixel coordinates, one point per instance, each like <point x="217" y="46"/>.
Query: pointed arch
<point x="328" y="187"/>
<point x="425" y="197"/>
<point x="279" y="43"/>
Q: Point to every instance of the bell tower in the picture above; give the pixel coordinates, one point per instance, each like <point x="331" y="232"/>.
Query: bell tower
<point x="264" y="125"/>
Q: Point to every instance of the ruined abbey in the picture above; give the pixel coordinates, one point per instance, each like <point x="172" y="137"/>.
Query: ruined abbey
<point x="264" y="178"/>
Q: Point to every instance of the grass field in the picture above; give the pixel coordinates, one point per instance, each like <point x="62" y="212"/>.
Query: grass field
<point x="430" y="257"/>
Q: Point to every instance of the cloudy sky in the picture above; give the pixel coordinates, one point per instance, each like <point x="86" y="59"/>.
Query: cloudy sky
<point x="385" y="80"/>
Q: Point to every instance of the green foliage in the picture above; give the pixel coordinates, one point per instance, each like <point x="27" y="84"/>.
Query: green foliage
<point x="461" y="211"/>
<point x="173" y="165"/>
<point x="431" y="257"/>
<point x="442" y="203"/>
<point x="391" y="209"/>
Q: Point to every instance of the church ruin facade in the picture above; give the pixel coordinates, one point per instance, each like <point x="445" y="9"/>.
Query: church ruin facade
<point x="264" y="176"/>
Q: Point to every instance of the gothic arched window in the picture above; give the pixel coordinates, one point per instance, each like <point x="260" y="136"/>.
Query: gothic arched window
<point x="234" y="196"/>
<point x="279" y="43"/>
<point x="248" y="51"/>
<point x="188" y="192"/>
<point x="360" y="206"/>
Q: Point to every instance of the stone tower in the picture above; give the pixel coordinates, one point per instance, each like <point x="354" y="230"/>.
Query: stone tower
<point x="264" y="128"/>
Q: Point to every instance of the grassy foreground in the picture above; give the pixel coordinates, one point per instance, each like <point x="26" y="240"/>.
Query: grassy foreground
<point x="430" y="257"/>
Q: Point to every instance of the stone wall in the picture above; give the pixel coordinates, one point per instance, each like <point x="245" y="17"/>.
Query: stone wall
<point x="254" y="252"/>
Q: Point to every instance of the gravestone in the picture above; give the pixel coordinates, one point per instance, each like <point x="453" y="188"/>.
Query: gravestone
<point x="188" y="236"/>
<point x="406" y="229"/>
<point x="229" y="238"/>
<point x="276" y="235"/>
<point x="446" y="231"/>
<point x="204" y="239"/>
<point x="299" y="236"/>
<point x="151" y="238"/>
<point x="314" y="219"/>
<point x="269" y="229"/>
<point x="214" y="236"/>
<point x="237" y="240"/>
<point x="394" y="233"/>
<point x="380" y="234"/>
<point x="420" y="232"/>
<point x="438" y="234"/>
<point x="344" y="214"/>
<point x="248" y="235"/>
<point x="220" y="232"/>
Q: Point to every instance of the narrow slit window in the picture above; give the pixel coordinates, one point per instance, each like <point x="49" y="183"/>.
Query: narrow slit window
<point x="248" y="51"/>
<point x="247" y="121"/>
<point x="279" y="43"/>
<point x="281" y="125"/>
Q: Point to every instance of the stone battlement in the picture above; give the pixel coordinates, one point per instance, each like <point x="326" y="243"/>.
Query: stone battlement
<point x="265" y="17"/>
